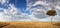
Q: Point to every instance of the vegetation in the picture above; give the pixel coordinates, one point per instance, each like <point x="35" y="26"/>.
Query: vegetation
<point x="32" y="25"/>
<point x="51" y="13"/>
<point x="3" y="24"/>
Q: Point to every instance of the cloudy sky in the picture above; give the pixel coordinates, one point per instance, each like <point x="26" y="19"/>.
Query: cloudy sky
<point x="28" y="10"/>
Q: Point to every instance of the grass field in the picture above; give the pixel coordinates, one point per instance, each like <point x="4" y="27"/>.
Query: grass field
<point x="29" y="25"/>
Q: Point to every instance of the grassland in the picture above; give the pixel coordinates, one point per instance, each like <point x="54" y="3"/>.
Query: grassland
<point x="29" y="25"/>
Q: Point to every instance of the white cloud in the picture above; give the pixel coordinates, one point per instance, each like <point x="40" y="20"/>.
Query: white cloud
<point x="13" y="14"/>
<point x="3" y="1"/>
<point x="39" y="8"/>
<point x="37" y="11"/>
<point x="40" y="3"/>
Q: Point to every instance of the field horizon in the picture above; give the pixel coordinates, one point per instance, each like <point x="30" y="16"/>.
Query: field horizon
<point x="30" y="24"/>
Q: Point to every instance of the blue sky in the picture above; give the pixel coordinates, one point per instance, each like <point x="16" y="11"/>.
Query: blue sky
<point x="27" y="10"/>
<point x="17" y="3"/>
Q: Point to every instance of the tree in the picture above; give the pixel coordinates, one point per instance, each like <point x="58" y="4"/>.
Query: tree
<point x="51" y="13"/>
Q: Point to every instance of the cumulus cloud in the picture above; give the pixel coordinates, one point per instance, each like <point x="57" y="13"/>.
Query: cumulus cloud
<point x="12" y="13"/>
<point x="3" y="1"/>
<point x="38" y="8"/>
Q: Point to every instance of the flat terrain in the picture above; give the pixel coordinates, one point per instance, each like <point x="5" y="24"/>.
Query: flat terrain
<point x="29" y="25"/>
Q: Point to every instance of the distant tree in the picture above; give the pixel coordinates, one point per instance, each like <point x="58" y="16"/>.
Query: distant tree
<point x="51" y="13"/>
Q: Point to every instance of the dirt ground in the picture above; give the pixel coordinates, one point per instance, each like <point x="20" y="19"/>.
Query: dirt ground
<point x="29" y="25"/>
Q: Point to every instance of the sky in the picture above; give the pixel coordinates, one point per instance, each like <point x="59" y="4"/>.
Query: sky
<point x="17" y="3"/>
<point x="28" y="10"/>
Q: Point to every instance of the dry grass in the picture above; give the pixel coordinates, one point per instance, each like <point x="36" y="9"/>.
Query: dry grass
<point x="32" y="25"/>
<point x="3" y="24"/>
